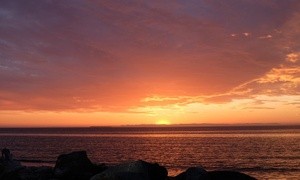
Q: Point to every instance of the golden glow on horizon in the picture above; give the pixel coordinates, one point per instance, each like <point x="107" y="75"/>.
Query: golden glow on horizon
<point x="259" y="109"/>
<point x="162" y="122"/>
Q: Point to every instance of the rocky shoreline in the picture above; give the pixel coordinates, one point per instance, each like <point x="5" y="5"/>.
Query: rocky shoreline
<point x="77" y="166"/>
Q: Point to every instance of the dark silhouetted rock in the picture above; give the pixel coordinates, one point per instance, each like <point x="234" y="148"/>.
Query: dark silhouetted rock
<point x="36" y="173"/>
<point x="137" y="170"/>
<point x="198" y="173"/>
<point x="2" y="168"/>
<point x="121" y="176"/>
<point x="11" y="165"/>
<point x="218" y="175"/>
<point x="9" y="169"/>
<point x="13" y="170"/>
<point x="192" y="173"/>
<point x="76" y="166"/>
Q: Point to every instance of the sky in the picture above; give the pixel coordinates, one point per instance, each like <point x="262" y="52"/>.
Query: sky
<point x="94" y="63"/>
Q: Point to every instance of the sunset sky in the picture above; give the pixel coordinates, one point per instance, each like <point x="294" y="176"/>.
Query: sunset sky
<point x="93" y="63"/>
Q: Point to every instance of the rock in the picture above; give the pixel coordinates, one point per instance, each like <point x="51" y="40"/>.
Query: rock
<point x="2" y="168"/>
<point x="9" y="169"/>
<point x="192" y="173"/>
<point x="137" y="170"/>
<point x="11" y="165"/>
<point x="10" y="176"/>
<point x="13" y="170"/>
<point x="120" y="176"/>
<point x="36" y="173"/>
<point x="76" y="166"/>
<point x="218" y="175"/>
<point x="198" y="173"/>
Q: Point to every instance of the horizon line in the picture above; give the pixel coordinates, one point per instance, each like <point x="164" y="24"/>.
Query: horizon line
<point x="162" y="125"/>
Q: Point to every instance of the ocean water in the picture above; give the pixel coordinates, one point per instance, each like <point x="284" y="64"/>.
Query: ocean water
<point x="265" y="152"/>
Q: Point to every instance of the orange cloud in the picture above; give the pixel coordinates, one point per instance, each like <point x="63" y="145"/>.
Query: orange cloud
<point x="293" y="57"/>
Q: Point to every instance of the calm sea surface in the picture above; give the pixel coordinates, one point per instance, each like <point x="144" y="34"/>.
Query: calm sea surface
<point x="265" y="152"/>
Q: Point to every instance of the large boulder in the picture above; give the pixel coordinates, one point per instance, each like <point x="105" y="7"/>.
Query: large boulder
<point x="9" y="169"/>
<point x="137" y="170"/>
<point x="198" y="173"/>
<point x="218" y="175"/>
<point x="76" y="166"/>
<point x="192" y="173"/>
<point x="36" y="173"/>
